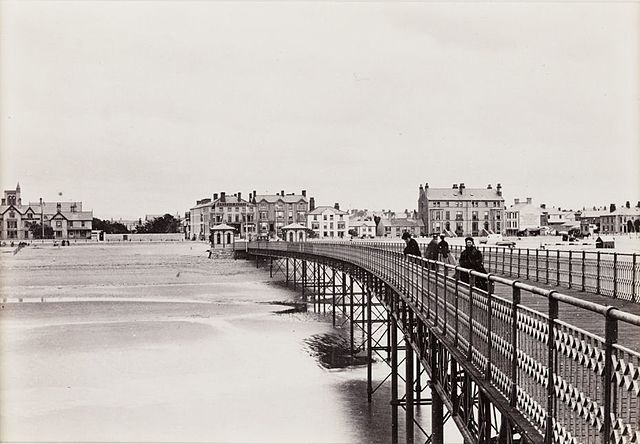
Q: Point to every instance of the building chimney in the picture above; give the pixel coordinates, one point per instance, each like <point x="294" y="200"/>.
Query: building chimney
<point x="455" y="186"/>
<point x="336" y="206"/>
<point x="543" y="206"/>
<point x="516" y="201"/>
<point x="222" y="196"/>
<point x="499" y="189"/>
<point x="254" y="194"/>
<point x="282" y="193"/>
<point x="239" y="196"/>
<point x="528" y="200"/>
<point x="426" y="185"/>
<point x="215" y="196"/>
<point x="489" y="187"/>
<point x="304" y="193"/>
<point x="461" y="187"/>
<point x="312" y="204"/>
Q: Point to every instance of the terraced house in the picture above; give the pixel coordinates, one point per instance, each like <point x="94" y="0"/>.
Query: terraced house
<point x="462" y="211"/>
<point x="274" y="211"/>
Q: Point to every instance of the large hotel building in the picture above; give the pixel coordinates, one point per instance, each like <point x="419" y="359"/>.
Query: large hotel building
<point x="462" y="211"/>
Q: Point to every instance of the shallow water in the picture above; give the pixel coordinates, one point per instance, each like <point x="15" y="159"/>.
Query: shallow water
<point x="156" y="343"/>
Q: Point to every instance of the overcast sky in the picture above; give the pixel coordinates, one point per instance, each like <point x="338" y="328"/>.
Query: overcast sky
<point x="143" y="107"/>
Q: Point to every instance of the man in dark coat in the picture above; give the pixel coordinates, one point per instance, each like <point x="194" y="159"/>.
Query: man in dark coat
<point x="412" y="247"/>
<point x="432" y="250"/>
<point x="471" y="258"/>
<point x="443" y="249"/>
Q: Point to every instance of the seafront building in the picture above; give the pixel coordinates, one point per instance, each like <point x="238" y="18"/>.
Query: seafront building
<point x="363" y="228"/>
<point x="274" y="211"/>
<point x="233" y="211"/>
<point x="462" y="211"/>
<point x="523" y="218"/>
<point x="622" y="220"/>
<point x="67" y="219"/>
<point x="329" y="222"/>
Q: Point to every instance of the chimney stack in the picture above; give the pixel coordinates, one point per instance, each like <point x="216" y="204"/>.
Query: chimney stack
<point x="304" y="193"/>
<point x="222" y="196"/>
<point x="215" y="196"/>
<point x="426" y="185"/>
<point x="489" y="187"/>
<point x="239" y="196"/>
<point x="312" y="204"/>
<point x="455" y="186"/>
<point x="336" y="206"/>
<point x="516" y="201"/>
<point x="461" y="187"/>
<point x="282" y="193"/>
<point x="499" y="189"/>
<point x="543" y="206"/>
<point x="528" y="200"/>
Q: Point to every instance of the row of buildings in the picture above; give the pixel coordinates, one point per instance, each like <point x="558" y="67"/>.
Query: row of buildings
<point x="67" y="220"/>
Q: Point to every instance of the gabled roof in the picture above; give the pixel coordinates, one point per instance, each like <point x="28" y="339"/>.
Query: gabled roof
<point x="273" y="198"/>
<point x="362" y="223"/>
<point x="294" y="226"/>
<point x="467" y="194"/>
<point x="222" y="227"/>
<point x="79" y="215"/>
<point x="321" y="209"/>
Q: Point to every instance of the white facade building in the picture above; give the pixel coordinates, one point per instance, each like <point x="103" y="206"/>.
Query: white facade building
<point x="329" y="222"/>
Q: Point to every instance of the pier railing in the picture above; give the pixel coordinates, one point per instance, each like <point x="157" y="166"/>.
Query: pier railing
<point x="607" y="273"/>
<point x="572" y="384"/>
<point x="612" y="274"/>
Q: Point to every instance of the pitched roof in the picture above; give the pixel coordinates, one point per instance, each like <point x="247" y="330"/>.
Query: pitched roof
<point x="467" y="194"/>
<point x="273" y="198"/>
<point x="294" y="226"/>
<point x="362" y="223"/>
<point x="321" y="209"/>
<point x="222" y="227"/>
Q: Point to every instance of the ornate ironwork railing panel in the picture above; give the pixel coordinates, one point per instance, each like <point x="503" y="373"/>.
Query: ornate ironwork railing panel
<point x="574" y="386"/>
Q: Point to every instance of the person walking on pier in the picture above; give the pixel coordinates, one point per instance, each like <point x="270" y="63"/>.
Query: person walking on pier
<point x="471" y="258"/>
<point x="444" y="254"/>
<point x="432" y="251"/>
<point x="412" y="247"/>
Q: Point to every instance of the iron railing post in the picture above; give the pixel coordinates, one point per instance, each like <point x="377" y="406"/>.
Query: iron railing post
<point x="490" y="289"/>
<point x="598" y="273"/>
<point x="471" y="285"/>
<point x="633" y="278"/>
<point x="551" y="367"/>
<point x="570" y="267"/>
<point x="610" y="338"/>
<point x="513" y="398"/>
<point x="584" y="270"/>
<point x="615" y="275"/>
<point x="557" y="267"/>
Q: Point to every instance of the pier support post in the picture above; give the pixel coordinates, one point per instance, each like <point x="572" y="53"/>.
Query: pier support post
<point x="437" y="419"/>
<point x="408" y="365"/>
<point x="394" y="380"/>
<point x="369" y="350"/>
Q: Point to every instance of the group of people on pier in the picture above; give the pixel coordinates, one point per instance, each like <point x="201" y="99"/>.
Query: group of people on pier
<point x="470" y="258"/>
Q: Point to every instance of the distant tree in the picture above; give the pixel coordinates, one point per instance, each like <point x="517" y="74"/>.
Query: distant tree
<point x="353" y="232"/>
<point x="36" y="230"/>
<point x="627" y="205"/>
<point x="612" y="208"/>
<point x="109" y="227"/>
<point x="376" y="219"/>
<point x="630" y="227"/>
<point x="163" y="224"/>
